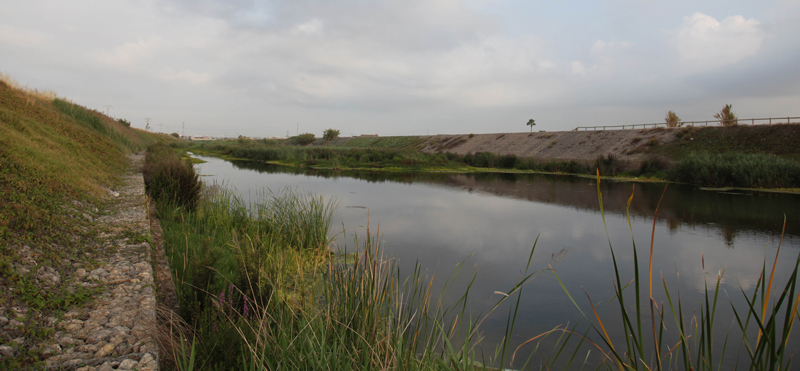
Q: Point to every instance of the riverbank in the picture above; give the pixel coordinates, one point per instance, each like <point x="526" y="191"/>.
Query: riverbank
<point x="74" y="238"/>
<point x="732" y="169"/>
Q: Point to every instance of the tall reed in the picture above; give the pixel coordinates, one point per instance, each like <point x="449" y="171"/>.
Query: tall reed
<point x="692" y="341"/>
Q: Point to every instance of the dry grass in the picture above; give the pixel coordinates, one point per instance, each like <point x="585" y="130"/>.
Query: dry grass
<point x="35" y="93"/>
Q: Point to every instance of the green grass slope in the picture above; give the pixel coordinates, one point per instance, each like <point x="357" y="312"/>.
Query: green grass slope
<point x="51" y="151"/>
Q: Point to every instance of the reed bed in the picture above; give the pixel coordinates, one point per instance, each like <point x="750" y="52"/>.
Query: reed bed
<point x="737" y="170"/>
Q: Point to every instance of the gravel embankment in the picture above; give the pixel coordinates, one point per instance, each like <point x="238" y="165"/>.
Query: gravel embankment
<point x="115" y="330"/>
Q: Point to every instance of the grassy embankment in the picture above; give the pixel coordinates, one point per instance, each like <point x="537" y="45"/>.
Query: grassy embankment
<point x="397" y="154"/>
<point x="744" y="157"/>
<point x="259" y="289"/>
<point x="56" y="160"/>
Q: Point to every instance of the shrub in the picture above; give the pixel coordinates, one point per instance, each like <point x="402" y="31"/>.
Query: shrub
<point x="124" y="122"/>
<point x="673" y="121"/>
<point x="726" y="116"/>
<point x="169" y="179"/>
<point x="330" y="134"/>
<point x="653" y="165"/>
<point x="507" y="161"/>
<point x="176" y="135"/>
<point x="608" y="165"/>
<point x="305" y="139"/>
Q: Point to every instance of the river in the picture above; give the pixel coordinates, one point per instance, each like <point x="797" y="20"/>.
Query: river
<point x="489" y="222"/>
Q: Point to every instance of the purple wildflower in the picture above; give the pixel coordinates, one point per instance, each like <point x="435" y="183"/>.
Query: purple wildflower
<point x="246" y="310"/>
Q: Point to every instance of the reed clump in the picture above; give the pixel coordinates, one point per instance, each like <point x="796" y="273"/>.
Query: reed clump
<point x="737" y="170"/>
<point x="170" y="179"/>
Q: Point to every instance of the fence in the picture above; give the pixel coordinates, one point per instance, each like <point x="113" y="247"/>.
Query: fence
<point x="762" y="121"/>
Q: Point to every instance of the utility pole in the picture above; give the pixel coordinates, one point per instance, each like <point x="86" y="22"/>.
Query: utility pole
<point x="107" y="109"/>
<point x="148" y="124"/>
<point x="183" y="127"/>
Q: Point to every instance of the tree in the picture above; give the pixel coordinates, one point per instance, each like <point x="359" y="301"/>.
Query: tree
<point x="305" y="138"/>
<point x="176" y="135"/>
<point x="531" y="123"/>
<point x="330" y="134"/>
<point x="726" y="117"/>
<point x="673" y="121"/>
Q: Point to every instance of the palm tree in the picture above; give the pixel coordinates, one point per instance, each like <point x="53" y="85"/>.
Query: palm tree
<point x="531" y="123"/>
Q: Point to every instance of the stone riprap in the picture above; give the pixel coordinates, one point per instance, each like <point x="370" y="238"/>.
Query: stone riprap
<point x="114" y="330"/>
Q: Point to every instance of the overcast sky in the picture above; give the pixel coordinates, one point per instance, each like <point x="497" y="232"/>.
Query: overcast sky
<point x="263" y="68"/>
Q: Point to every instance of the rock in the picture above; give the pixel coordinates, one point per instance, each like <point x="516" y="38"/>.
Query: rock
<point x="6" y="351"/>
<point x="73" y="314"/>
<point x="14" y="324"/>
<point x="105" y="367"/>
<point x="73" y="362"/>
<point x="3" y="321"/>
<point x="51" y="350"/>
<point x="127" y="364"/>
<point x="80" y="272"/>
<point x="147" y="361"/>
<point x="87" y="368"/>
<point x="88" y="348"/>
<point x="105" y="351"/>
<point x="66" y="341"/>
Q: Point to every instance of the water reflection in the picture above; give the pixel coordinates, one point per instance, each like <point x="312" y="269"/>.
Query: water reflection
<point x="730" y="212"/>
<point x="490" y="222"/>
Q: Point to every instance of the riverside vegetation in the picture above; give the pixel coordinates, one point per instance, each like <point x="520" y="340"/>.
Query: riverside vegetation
<point x="260" y="289"/>
<point x="58" y="161"/>
<point x="743" y="156"/>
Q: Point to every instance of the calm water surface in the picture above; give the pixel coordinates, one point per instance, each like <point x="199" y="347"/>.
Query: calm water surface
<point x="490" y="222"/>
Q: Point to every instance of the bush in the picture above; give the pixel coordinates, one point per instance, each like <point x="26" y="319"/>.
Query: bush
<point x="176" y="135"/>
<point x="305" y="139"/>
<point x="653" y="165"/>
<point x="507" y="161"/>
<point x="726" y="116"/>
<point x="608" y="165"/>
<point x="673" y="121"/>
<point x="124" y="122"/>
<point x="169" y="179"/>
<point x="330" y="134"/>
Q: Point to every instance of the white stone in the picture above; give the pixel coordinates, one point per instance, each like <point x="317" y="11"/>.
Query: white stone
<point x="127" y="364"/>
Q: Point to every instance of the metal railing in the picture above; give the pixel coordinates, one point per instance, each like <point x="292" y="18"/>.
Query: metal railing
<point x="761" y="121"/>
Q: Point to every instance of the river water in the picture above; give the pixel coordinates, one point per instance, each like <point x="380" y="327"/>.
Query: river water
<point x="489" y="223"/>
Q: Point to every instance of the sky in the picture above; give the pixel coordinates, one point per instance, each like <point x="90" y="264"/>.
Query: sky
<point x="413" y="67"/>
